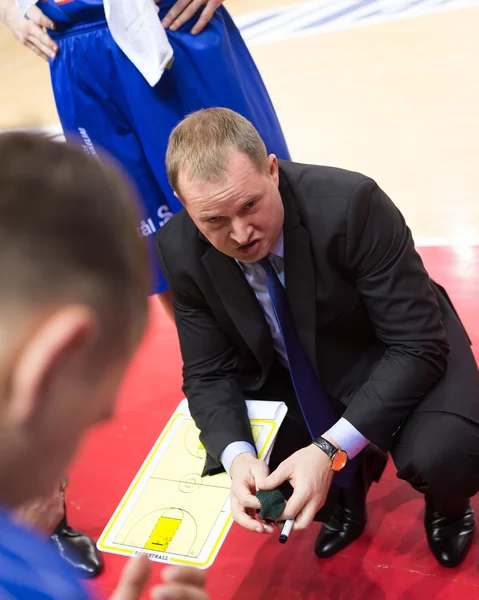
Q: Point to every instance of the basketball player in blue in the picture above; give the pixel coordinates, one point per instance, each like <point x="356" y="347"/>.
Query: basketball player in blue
<point x="104" y="101"/>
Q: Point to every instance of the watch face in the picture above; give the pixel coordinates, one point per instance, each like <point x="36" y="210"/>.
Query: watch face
<point x="339" y="461"/>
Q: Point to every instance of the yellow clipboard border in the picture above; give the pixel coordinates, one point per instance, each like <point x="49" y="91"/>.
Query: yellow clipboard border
<point x="139" y="475"/>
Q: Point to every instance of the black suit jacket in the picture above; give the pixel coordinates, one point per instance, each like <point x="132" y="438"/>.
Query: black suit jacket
<point x="376" y="328"/>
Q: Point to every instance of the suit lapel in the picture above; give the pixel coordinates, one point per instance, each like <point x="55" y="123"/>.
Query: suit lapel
<point x="240" y="303"/>
<point x="299" y="273"/>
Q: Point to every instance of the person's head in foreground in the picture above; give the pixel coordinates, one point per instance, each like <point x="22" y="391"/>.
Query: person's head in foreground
<point x="218" y="167"/>
<point x="73" y="308"/>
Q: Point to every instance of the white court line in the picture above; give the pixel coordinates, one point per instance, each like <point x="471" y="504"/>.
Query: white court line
<point x="291" y="22"/>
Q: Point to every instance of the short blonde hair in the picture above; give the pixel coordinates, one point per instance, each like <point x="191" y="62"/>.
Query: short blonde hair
<point x="201" y="144"/>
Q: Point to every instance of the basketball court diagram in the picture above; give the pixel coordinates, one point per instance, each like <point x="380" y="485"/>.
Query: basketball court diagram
<point x="168" y="516"/>
<point x="171" y="511"/>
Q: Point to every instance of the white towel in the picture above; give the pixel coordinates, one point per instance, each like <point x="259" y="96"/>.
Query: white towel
<point x="136" y="28"/>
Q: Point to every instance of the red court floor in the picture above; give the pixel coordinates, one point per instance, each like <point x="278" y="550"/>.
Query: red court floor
<point x="390" y="562"/>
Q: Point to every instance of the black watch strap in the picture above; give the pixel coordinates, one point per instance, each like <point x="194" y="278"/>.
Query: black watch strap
<point x="325" y="446"/>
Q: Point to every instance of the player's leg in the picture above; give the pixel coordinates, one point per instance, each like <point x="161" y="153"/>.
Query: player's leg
<point x="93" y="111"/>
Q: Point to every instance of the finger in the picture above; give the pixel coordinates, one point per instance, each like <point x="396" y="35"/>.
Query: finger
<point x="277" y="477"/>
<point x="44" y="49"/>
<point x="186" y="575"/>
<point x="259" y="471"/>
<point x="243" y="518"/>
<point x="178" y="592"/>
<point x="189" y="12"/>
<point x="36" y="15"/>
<point x="306" y="516"/>
<point x="36" y="33"/>
<point x="34" y="49"/>
<point x="134" y="579"/>
<point x="295" y="504"/>
<point x="244" y="496"/>
<point x="174" y="12"/>
<point x="205" y="18"/>
<point x="250" y="501"/>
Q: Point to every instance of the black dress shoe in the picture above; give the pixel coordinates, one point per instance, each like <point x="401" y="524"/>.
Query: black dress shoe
<point x="449" y="538"/>
<point x="350" y="517"/>
<point x="78" y="550"/>
<point x="344" y="527"/>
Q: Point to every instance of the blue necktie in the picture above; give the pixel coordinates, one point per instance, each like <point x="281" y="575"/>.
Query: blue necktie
<point x="312" y="397"/>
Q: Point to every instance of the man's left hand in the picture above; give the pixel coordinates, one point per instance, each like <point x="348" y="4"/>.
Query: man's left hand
<point x="309" y="472"/>
<point x="183" y="10"/>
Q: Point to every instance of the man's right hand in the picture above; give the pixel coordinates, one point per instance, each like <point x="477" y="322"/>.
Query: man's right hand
<point x="30" y="32"/>
<point x="247" y="476"/>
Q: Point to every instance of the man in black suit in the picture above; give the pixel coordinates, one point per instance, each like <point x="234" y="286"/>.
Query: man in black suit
<point x="302" y="283"/>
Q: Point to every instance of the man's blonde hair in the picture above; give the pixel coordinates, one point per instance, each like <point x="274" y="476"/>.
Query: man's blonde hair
<point x="200" y="145"/>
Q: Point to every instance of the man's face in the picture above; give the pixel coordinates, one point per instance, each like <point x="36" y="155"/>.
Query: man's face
<point x="241" y="215"/>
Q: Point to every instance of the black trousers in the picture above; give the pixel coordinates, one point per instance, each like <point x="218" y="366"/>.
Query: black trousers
<point x="437" y="453"/>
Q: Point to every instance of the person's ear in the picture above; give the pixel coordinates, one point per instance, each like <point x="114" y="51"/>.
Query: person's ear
<point x="179" y="198"/>
<point x="62" y="337"/>
<point x="273" y="168"/>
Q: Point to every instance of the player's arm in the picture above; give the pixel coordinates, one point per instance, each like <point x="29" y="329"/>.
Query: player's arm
<point x="29" y="31"/>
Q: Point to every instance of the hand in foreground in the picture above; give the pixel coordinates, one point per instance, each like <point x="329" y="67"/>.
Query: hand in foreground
<point x="30" y="32"/>
<point x="180" y="583"/>
<point x="248" y="474"/>
<point x="309" y="472"/>
<point x="183" y="10"/>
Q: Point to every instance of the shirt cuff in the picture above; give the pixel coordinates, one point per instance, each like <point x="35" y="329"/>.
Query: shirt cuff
<point x="232" y="451"/>
<point x="348" y="437"/>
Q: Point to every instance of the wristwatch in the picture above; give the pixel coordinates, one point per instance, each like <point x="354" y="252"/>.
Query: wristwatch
<point x="338" y="457"/>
